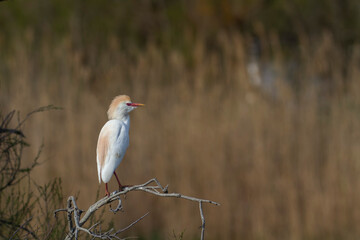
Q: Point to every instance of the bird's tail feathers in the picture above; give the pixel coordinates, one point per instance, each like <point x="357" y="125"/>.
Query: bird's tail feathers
<point x="106" y="173"/>
<point x="99" y="171"/>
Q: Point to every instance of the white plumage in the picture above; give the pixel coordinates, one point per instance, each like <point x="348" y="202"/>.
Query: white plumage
<point x="117" y="134"/>
<point x="114" y="139"/>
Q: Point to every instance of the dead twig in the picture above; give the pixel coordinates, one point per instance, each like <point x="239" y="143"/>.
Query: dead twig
<point x="152" y="186"/>
<point x="22" y="227"/>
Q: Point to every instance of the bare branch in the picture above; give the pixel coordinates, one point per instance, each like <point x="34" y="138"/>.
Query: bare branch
<point x="202" y="221"/>
<point x="152" y="186"/>
<point x="118" y="208"/>
<point x="132" y="224"/>
<point x="20" y="227"/>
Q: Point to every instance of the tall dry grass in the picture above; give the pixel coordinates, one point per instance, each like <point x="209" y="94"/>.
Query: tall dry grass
<point x="284" y="163"/>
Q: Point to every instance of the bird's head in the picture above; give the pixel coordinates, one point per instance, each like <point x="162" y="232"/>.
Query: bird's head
<point x="121" y="106"/>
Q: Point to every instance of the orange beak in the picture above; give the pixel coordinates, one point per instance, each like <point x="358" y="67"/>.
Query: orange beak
<point x="136" y="104"/>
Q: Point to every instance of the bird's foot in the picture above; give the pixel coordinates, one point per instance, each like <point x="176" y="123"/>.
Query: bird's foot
<point x="107" y="194"/>
<point x="122" y="187"/>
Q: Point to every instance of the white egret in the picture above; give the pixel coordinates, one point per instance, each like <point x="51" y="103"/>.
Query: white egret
<point x="114" y="139"/>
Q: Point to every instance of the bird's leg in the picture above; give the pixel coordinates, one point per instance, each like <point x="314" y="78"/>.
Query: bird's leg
<point x="106" y="190"/>
<point x="117" y="179"/>
<point x="121" y="187"/>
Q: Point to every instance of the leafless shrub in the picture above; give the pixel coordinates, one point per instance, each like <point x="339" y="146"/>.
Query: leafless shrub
<point x="19" y="195"/>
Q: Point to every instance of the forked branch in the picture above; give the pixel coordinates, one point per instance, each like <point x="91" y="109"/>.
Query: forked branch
<point x="152" y="186"/>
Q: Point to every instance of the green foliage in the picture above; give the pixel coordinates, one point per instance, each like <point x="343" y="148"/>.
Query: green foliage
<point x="175" y="23"/>
<point x="26" y="208"/>
<point x="179" y="236"/>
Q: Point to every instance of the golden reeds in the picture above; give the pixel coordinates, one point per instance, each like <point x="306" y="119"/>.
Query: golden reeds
<point x="282" y="158"/>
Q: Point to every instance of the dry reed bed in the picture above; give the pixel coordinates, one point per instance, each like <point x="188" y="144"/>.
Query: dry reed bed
<point x="283" y="165"/>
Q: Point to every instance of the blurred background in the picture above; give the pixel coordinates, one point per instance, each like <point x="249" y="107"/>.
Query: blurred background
<point x="253" y="104"/>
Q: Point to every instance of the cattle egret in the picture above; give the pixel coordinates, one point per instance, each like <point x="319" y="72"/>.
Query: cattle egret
<point x="114" y="139"/>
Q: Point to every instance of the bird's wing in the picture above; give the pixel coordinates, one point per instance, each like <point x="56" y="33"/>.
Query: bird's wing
<point x="102" y="148"/>
<point x="112" y="144"/>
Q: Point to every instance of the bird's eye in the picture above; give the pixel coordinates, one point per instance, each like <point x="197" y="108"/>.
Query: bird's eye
<point x="129" y="104"/>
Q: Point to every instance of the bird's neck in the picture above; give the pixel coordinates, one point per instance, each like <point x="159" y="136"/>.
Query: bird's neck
<point x="125" y="119"/>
